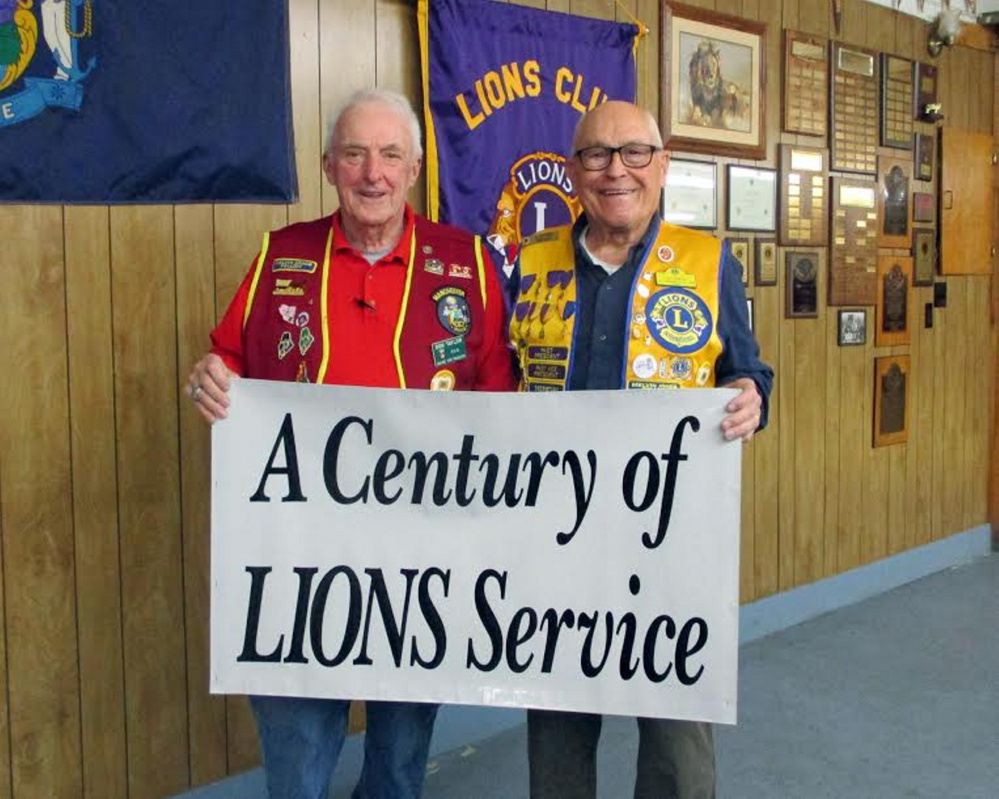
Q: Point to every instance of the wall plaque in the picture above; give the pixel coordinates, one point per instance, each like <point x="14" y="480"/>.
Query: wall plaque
<point x="802" y="284"/>
<point x="803" y="204"/>
<point x="891" y="378"/>
<point x="854" y="139"/>
<point x="923" y="207"/>
<point x="740" y="250"/>
<point x="853" y="253"/>
<point x="924" y="151"/>
<point x="924" y="245"/>
<point x="806" y="84"/>
<point x="925" y="89"/>
<point x="765" y="262"/>
<point x="894" y="206"/>
<point x="894" y="291"/>
<point x="896" y="102"/>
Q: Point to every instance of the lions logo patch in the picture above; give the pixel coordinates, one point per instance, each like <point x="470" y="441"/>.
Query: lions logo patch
<point x="452" y="310"/>
<point x="679" y="320"/>
<point x="43" y="45"/>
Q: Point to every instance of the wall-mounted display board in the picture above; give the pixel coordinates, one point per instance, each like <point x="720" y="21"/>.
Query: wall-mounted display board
<point x="894" y="294"/>
<point x="925" y="149"/>
<point x="804" y="207"/>
<point x="966" y="196"/>
<point x="802" y="283"/>
<point x="854" y="136"/>
<point x="853" y="251"/>
<point x="924" y="245"/>
<point x="896" y="102"/>
<point x="894" y="202"/>
<point x="925" y="89"/>
<point x="806" y="84"/>
<point x="891" y="395"/>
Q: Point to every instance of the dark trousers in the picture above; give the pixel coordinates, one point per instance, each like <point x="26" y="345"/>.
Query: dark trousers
<point x="676" y="759"/>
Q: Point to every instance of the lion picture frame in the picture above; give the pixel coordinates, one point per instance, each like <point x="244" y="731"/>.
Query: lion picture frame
<point x="713" y="81"/>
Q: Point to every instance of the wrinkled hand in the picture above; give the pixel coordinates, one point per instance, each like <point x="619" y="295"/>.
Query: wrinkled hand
<point x="208" y="387"/>
<point x="743" y="412"/>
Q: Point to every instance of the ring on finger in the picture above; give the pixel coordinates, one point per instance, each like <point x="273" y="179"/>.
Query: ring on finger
<point x="195" y="393"/>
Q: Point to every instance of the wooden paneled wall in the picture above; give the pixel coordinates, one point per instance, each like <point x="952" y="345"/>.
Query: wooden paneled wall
<point x="104" y="467"/>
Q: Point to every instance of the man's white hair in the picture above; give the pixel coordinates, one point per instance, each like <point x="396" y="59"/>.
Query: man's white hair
<point x="393" y="100"/>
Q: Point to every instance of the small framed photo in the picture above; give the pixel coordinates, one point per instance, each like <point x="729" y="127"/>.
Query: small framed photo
<point x="802" y="284"/>
<point x="765" y="262"/>
<point x="689" y="198"/>
<point x="752" y="199"/>
<point x="740" y="250"/>
<point x="852" y="327"/>
<point x="712" y="76"/>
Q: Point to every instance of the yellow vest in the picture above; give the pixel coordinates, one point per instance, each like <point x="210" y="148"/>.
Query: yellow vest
<point x="673" y="326"/>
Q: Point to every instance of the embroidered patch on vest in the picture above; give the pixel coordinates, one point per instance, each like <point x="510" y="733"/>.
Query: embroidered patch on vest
<point x="305" y="339"/>
<point x="679" y="320"/>
<point x="285" y="287"/>
<point x="452" y="310"/>
<point x="435" y="266"/>
<point x="287" y="313"/>
<point x="459" y="271"/>
<point x="285" y="345"/>
<point x="675" y="276"/>
<point x="293" y="265"/>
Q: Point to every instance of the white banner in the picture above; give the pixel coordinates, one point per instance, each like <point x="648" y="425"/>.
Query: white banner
<point x="574" y="551"/>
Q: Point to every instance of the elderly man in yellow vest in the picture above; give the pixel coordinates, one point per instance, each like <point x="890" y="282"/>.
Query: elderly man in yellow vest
<point x="622" y="299"/>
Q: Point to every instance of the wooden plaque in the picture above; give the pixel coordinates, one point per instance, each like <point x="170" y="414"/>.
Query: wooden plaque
<point x="924" y="150"/>
<point x="804" y="205"/>
<point x="806" y="84"/>
<point x="924" y="247"/>
<point x="894" y="317"/>
<point x="802" y="284"/>
<point x="765" y="262"/>
<point x="896" y="102"/>
<point x="925" y="90"/>
<point x="853" y="251"/>
<point x="891" y="383"/>
<point x="854" y="137"/>
<point x="923" y="207"/>
<point x="740" y="251"/>
<point x="894" y="202"/>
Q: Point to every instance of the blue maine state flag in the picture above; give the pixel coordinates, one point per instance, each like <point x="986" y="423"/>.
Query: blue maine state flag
<point x="103" y="101"/>
<point x="504" y="86"/>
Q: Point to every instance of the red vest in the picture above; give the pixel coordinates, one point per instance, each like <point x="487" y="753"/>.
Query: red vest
<point x="440" y="325"/>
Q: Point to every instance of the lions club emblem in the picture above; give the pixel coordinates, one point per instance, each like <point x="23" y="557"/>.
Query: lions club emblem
<point x="39" y="74"/>
<point x="538" y="195"/>
<point x="452" y="310"/>
<point x="679" y="320"/>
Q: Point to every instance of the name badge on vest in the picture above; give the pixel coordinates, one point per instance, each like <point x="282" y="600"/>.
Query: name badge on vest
<point x="449" y="350"/>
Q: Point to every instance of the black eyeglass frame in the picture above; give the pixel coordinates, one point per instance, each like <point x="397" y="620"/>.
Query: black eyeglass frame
<point x="653" y="149"/>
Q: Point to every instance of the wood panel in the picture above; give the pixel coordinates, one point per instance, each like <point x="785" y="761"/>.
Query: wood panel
<point x="95" y="494"/>
<point x="145" y="335"/>
<point x="38" y="548"/>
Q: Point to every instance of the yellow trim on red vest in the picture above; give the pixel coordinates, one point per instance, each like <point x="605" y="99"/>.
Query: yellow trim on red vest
<point x="403" y="307"/>
<point x="482" y="268"/>
<point x="256" y="276"/>
<point x="324" y="321"/>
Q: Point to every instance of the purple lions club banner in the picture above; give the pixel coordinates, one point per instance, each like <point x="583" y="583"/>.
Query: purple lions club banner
<point x="503" y="88"/>
<point x="141" y="102"/>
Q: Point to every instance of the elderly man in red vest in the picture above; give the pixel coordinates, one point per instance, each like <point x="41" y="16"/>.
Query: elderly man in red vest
<point x="373" y="295"/>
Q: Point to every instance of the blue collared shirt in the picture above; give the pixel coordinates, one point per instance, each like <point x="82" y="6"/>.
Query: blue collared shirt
<point x="602" y="316"/>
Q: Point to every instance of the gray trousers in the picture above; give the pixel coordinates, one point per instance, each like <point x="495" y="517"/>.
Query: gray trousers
<point x="676" y="759"/>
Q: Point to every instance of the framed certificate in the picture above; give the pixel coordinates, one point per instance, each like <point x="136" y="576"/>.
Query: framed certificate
<point x="689" y="198"/>
<point x="752" y="198"/>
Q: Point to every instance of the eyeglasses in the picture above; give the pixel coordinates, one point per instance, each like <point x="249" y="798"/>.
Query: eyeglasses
<point x="635" y="156"/>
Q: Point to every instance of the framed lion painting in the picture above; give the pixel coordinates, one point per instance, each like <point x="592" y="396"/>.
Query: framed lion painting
<point x="713" y="82"/>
